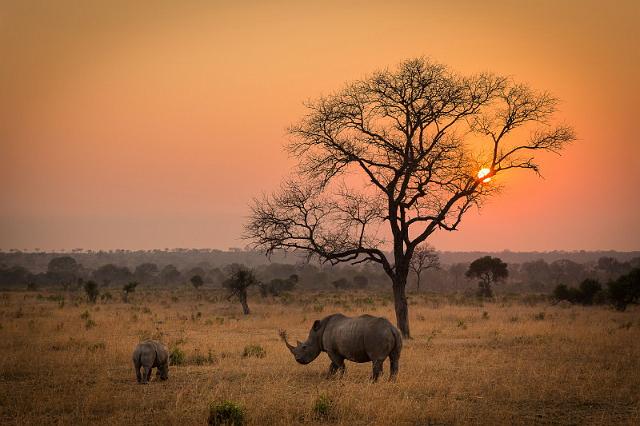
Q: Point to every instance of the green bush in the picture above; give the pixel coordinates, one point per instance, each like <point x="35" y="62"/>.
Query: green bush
<point x="177" y="356"/>
<point x="323" y="408"/>
<point x="226" y="413"/>
<point x="256" y="351"/>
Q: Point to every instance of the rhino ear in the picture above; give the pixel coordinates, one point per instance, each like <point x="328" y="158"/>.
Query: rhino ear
<point x="316" y="325"/>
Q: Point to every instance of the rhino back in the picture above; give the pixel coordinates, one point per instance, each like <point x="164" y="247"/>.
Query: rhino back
<point x="145" y="354"/>
<point x="162" y="354"/>
<point x="359" y="339"/>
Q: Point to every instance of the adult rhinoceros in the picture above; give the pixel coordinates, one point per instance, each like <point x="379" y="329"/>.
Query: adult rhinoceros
<point x="362" y="339"/>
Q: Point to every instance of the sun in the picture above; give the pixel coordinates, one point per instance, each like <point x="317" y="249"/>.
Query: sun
<point x="484" y="172"/>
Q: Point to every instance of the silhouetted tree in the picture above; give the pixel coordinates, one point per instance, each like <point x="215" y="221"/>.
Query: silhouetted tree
<point x="238" y="283"/>
<point x="110" y="273"/>
<point x="63" y="270"/>
<point x="611" y="267"/>
<point x="361" y="281"/>
<point x="340" y="283"/>
<point x="146" y="273"/>
<point x="625" y="290"/>
<point x="566" y="271"/>
<point x="15" y="275"/>
<point x="128" y="288"/>
<point x="489" y="270"/>
<point x="538" y="274"/>
<point x="424" y="257"/>
<point x="91" y="288"/>
<point x="588" y="290"/>
<point x="197" y="281"/>
<point x="426" y="142"/>
<point x="170" y="275"/>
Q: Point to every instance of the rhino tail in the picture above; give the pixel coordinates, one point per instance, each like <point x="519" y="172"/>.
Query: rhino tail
<point x="397" y="348"/>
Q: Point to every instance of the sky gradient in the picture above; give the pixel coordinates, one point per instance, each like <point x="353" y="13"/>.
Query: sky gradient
<point x="153" y="125"/>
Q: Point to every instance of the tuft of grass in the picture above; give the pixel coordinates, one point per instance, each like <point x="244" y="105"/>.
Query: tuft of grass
<point x="227" y="413"/>
<point x="201" y="359"/>
<point x="177" y="356"/>
<point x="323" y="408"/>
<point x="255" y="351"/>
<point x="89" y="324"/>
<point x="485" y="315"/>
<point x="85" y="315"/>
<point x="539" y="316"/>
<point x="96" y="347"/>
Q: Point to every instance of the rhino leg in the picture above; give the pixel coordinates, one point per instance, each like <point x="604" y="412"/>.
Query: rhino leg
<point x="337" y="363"/>
<point x="377" y="369"/>
<point x="146" y="374"/>
<point x="136" y="366"/>
<point x="395" y="363"/>
<point x="149" y="373"/>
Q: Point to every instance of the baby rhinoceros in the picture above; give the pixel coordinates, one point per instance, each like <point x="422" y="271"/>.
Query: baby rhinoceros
<point x="361" y="339"/>
<point x="150" y="354"/>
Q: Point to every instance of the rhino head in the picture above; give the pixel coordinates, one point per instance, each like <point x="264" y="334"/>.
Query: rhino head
<point x="305" y="352"/>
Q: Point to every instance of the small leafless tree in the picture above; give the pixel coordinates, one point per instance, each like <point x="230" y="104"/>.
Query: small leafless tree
<point x="238" y="283"/>
<point x="424" y="257"/>
<point x="411" y="150"/>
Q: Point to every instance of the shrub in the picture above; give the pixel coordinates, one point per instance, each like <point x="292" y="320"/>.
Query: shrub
<point x="91" y="288"/>
<point x="625" y="290"/>
<point x="584" y="295"/>
<point x="539" y="316"/>
<point x="323" y="408"/>
<point x="588" y="289"/>
<point x="177" y="356"/>
<point x="226" y="413"/>
<point x="201" y="359"/>
<point x="256" y="351"/>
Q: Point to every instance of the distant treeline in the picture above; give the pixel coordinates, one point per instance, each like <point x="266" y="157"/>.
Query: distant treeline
<point x="186" y="258"/>
<point x="173" y="268"/>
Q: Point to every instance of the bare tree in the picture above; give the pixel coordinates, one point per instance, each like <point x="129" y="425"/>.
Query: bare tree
<point x="239" y="281"/>
<point x="424" y="257"/>
<point x="413" y="148"/>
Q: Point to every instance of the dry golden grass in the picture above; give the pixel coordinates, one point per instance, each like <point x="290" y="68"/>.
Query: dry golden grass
<point x="512" y="365"/>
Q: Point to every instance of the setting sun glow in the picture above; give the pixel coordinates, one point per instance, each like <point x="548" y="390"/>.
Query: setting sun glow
<point x="484" y="172"/>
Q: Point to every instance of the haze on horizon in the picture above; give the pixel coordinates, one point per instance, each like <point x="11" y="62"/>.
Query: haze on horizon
<point x="153" y="124"/>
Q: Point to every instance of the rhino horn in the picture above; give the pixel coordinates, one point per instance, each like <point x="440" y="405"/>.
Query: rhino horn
<point x="283" y="336"/>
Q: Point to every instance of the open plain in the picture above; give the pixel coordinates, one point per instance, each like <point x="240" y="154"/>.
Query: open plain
<point x="516" y="360"/>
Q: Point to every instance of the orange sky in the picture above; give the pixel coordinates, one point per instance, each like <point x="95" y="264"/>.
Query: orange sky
<point x="153" y="125"/>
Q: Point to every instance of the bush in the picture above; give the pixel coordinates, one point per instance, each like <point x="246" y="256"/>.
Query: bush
<point x="91" y="288"/>
<point x="201" y="359"/>
<point x="256" y="351"/>
<point x="226" y="413"/>
<point x="625" y="290"/>
<point x="585" y="294"/>
<point x="588" y="289"/>
<point x="323" y="408"/>
<point x="177" y="356"/>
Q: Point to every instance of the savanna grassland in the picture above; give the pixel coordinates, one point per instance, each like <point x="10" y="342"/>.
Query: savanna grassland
<point x="514" y="361"/>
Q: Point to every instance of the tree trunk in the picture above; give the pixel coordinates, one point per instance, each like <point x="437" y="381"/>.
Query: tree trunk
<point x="418" y="282"/>
<point x="401" y="305"/>
<point x="245" y="306"/>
